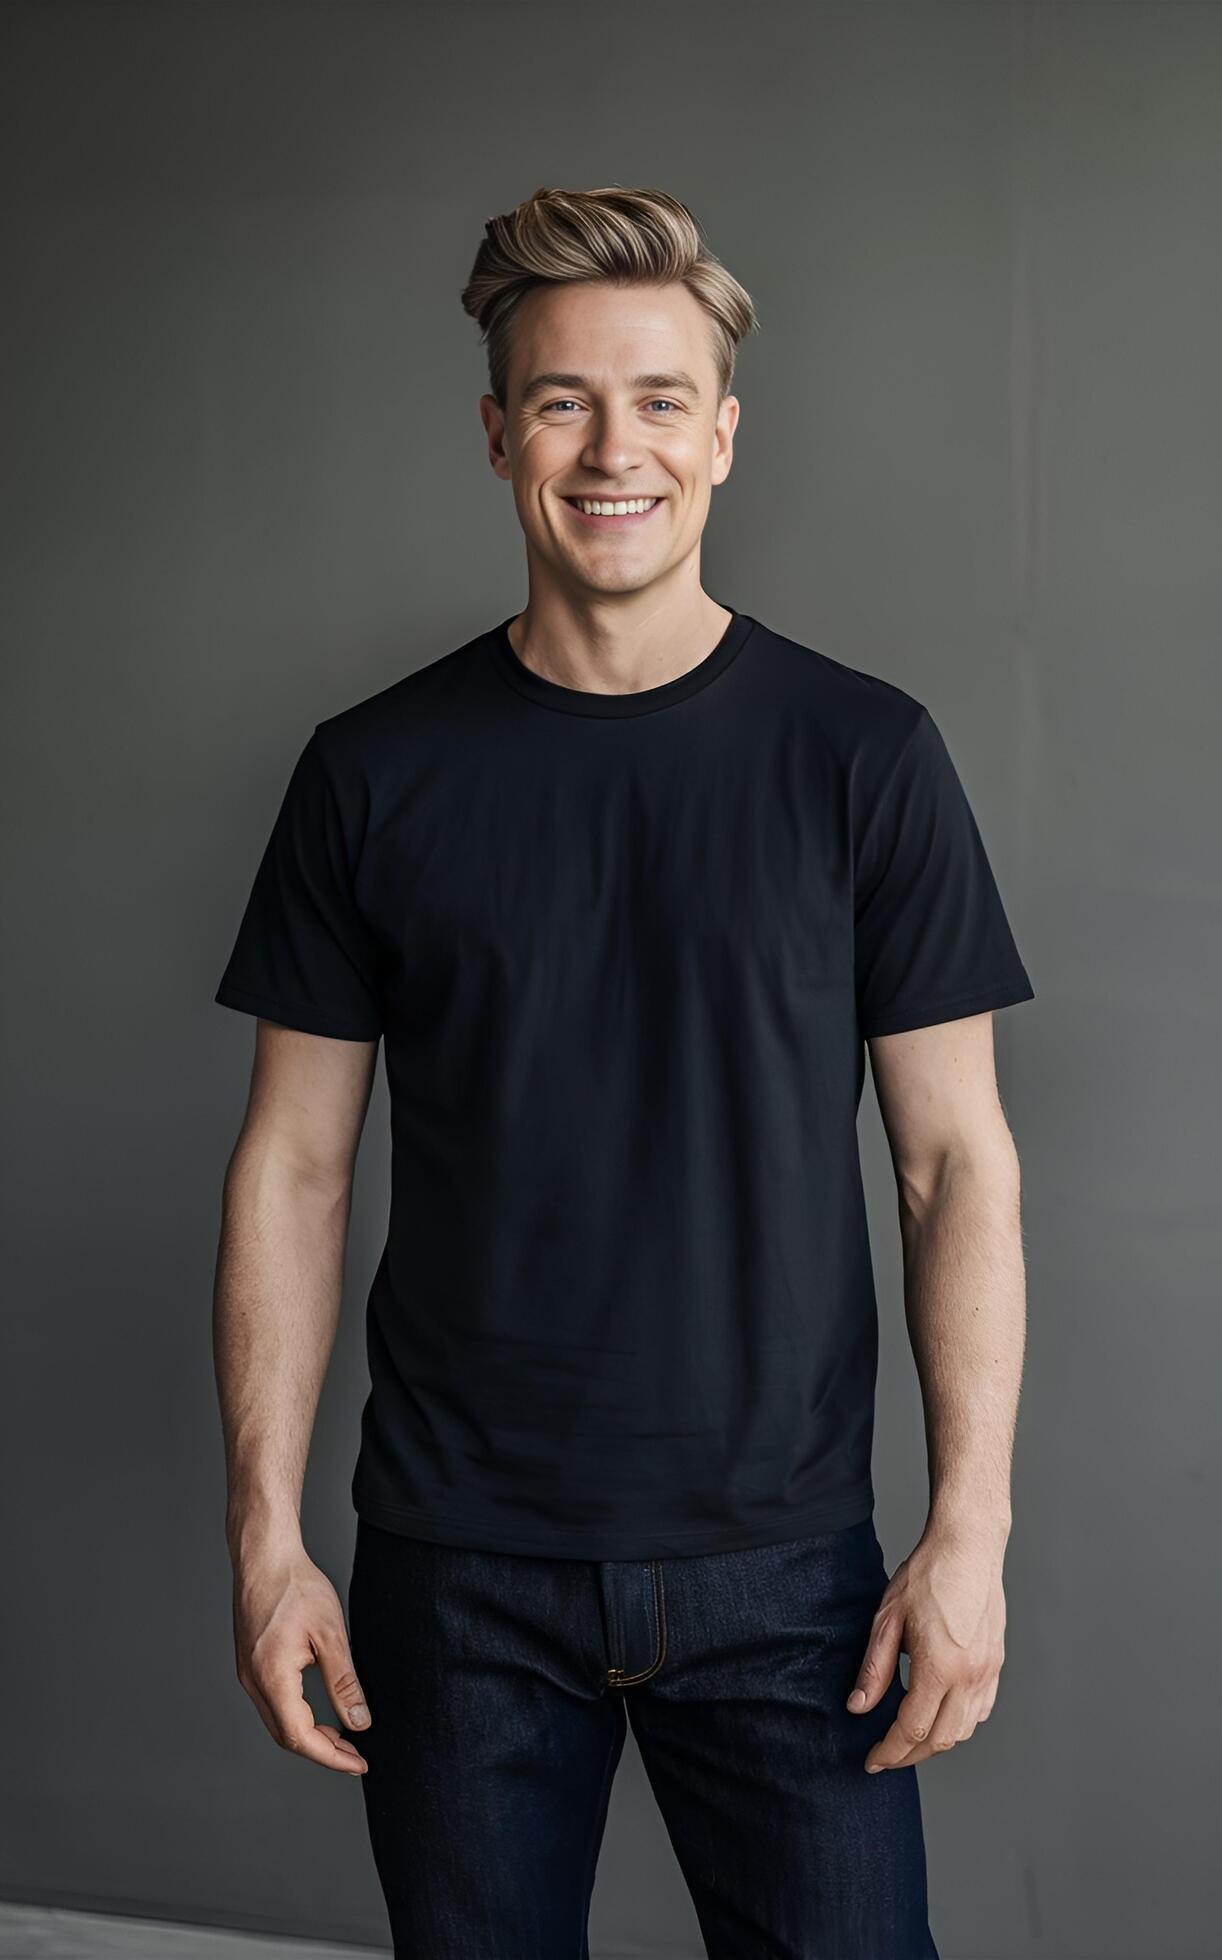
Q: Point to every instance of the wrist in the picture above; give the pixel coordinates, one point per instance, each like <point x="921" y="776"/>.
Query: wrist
<point x="254" y="1528"/>
<point x="970" y="1518"/>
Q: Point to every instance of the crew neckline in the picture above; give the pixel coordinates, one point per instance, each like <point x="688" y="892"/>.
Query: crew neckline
<point x="639" y="701"/>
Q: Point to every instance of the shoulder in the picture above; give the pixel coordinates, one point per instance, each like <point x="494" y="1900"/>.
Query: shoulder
<point x="866" y="720"/>
<point x="406" y="716"/>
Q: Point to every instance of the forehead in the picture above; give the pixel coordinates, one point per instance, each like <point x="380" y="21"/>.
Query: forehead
<point x="611" y="333"/>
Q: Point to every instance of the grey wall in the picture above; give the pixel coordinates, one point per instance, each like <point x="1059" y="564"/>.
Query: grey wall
<point x="979" y="454"/>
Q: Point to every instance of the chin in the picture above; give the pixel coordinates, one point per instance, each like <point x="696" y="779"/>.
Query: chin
<point x="630" y="579"/>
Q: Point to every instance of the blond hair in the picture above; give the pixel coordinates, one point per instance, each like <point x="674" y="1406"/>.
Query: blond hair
<point x="632" y="237"/>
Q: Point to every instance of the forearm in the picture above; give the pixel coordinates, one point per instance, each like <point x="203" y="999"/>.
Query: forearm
<point x="276" y="1305"/>
<point x="965" y="1303"/>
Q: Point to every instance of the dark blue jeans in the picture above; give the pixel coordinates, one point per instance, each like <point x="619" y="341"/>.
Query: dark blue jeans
<point x="501" y="1688"/>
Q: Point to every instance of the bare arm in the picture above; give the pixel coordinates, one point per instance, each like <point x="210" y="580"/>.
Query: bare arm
<point x="285" y="1209"/>
<point x="957" y="1177"/>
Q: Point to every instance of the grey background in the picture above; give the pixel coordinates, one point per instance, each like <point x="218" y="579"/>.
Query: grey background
<point x="979" y="454"/>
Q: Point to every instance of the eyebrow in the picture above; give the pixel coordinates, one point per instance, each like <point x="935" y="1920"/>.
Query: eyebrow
<point x="678" y="378"/>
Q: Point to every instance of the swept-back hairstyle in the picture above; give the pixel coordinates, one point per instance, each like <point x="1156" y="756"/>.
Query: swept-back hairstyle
<point x="632" y="237"/>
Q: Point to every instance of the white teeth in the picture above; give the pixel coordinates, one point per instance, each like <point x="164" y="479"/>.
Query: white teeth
<point x="625" y="508"/>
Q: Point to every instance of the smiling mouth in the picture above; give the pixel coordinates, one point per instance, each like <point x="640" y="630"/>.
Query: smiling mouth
<point x="612" y="511"/>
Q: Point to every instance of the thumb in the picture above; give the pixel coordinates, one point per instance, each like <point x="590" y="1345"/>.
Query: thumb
<point x="879" y="1663"/>
<point x="344" y="1690"/>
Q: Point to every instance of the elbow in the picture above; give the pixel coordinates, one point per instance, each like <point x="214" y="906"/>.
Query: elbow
<point x="986" y="1167"/>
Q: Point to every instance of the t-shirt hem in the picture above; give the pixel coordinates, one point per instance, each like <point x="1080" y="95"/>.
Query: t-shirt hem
<point x="954" y="1007"/>
<point x="852" y="1507"/>
<point x="302" y="1015"/>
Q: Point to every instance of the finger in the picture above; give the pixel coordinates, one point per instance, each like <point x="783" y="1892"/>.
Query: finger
<point x="339" y="1676"/>
<point x="294" y="1728"/>
<point x="952" y="1724"/>
<point x="914" y="1718"/>
<point x="879" y="1662"/>
<point x="356" y="1763"/>
<point x="260" y="1702"/>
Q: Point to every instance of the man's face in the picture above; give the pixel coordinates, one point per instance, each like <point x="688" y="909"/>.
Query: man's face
<point x="611" y="396"/>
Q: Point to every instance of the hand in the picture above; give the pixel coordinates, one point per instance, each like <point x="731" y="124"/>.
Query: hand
<point x="945" y="1608"/>
<point x="286" y="1614"/>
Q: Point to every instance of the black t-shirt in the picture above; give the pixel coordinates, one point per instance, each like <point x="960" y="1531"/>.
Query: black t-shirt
<point x="623" y="951"/>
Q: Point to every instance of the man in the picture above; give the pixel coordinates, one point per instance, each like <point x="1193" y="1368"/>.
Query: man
<point x="626" y="884"/>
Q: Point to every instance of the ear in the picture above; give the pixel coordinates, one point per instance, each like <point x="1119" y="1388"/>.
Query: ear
<point x="493" y="418"/>
<point x="723" y="437"/>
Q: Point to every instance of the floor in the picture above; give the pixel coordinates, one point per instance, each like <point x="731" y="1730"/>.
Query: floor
<point x="48" y="1933"/>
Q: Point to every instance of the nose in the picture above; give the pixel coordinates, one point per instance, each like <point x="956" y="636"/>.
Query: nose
<point x="612" y="445"/>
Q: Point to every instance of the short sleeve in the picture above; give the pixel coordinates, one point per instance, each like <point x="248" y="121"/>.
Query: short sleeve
<point x="304" y="955"/>
<point x="931" y="938"/>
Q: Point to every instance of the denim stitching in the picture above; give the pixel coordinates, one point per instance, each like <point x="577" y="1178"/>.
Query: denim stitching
<point x="616" y="1675"/>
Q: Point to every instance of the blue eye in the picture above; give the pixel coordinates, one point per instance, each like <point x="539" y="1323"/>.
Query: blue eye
<point x="659" y="401"/>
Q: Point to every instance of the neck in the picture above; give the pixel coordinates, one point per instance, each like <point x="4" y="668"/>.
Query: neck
<point x="617" y="643"/>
